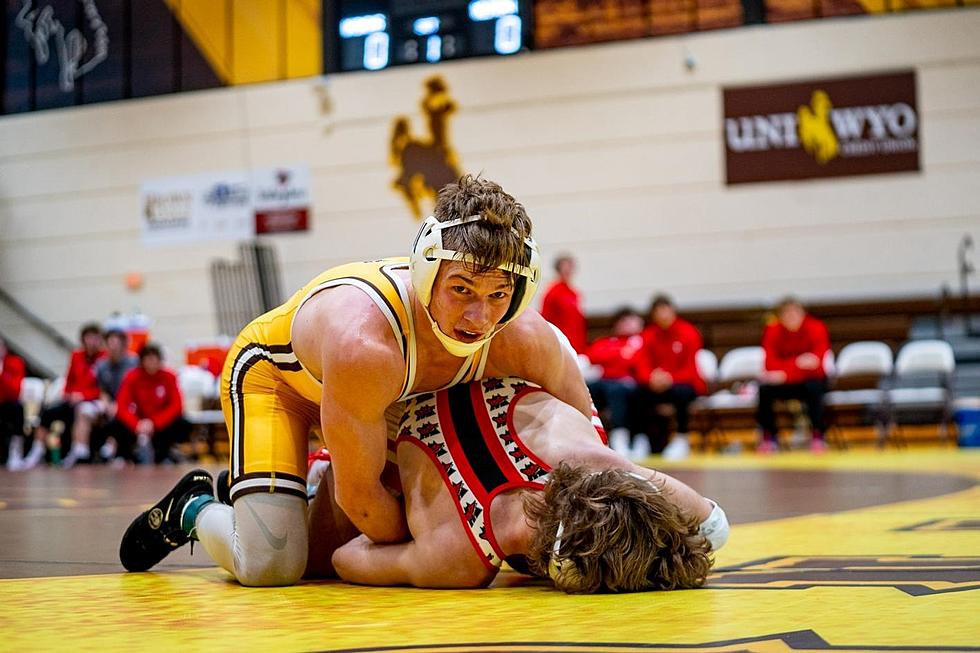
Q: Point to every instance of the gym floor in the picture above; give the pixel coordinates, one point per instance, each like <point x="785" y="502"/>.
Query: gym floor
<point x="862" y="550"/>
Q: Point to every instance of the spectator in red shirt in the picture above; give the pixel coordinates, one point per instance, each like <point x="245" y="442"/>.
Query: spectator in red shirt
<point x="80" y="399"/>
<point x="612" y="392"/>
<point x="666" y="373"/>
<point x="561" y="306"/>
<point x="795" y="346"/>
<point x="149" y="409"/>
<point x="11" y="410"/>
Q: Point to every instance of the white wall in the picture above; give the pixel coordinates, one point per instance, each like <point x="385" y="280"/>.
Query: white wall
<point x="615" y="149"/>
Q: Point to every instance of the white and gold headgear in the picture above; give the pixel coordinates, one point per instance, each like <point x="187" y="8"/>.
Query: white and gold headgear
<point x="427" y="252"/>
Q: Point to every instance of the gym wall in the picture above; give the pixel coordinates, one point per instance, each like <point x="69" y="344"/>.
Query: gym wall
<point x="616" y="150"/>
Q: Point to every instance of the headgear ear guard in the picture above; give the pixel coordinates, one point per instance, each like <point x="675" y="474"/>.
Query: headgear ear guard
<point x="428" y="251"/>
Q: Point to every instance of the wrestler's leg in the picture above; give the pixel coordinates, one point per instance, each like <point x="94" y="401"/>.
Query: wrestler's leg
<point x="262" y="541"/>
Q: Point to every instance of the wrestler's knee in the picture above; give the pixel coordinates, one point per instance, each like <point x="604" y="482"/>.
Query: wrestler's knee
<point x="271" y="570"/>
<point x="272" y="539"/>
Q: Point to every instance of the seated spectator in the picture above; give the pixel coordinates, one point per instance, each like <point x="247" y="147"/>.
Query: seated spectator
<point x="11" y="410"/>
<point x="149" y="409"/>
<point x="611" y="393"/>
<point x="666" y="373"/>
<point x="80" y="398"/>
<point x="795" y="346"/>
<point x="109" y="373"/>
<point x="561" y="305"/>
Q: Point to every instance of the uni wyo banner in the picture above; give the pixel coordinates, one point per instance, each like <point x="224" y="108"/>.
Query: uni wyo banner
<point x="822" y="128"/>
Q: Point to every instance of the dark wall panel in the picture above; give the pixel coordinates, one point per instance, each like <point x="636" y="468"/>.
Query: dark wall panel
<point x="195" y="71"/>
<point x="107" y="81"/>
<point x="18" y="61"/>
<point x="154" y="39"/>
<point x="48" y="92"/>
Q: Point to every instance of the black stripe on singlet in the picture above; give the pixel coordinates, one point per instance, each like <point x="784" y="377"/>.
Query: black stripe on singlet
<point x="470" y="438"/>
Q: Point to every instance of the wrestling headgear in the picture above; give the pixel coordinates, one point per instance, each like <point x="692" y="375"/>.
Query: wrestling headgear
<point x="428" y="251"/>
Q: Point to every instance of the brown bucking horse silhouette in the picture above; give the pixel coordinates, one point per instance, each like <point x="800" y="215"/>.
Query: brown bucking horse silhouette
<point x="426" y="164"/>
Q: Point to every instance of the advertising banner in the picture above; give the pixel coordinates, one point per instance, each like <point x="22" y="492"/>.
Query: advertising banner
<point x="225" y="206"/>
<point x="822" y="128"/>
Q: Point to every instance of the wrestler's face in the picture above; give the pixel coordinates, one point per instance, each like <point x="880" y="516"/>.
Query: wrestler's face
<point x="467" y="305"/>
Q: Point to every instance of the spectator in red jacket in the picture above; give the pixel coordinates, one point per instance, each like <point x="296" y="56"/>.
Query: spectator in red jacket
<point x="80" y="398"/>
<point x="795" y="346"/>
<point x="612" y="392"/>
<point x="667" y="373"/>
<point x="11" y="410"/>
<point x="561" y="305"/>
<point x="149" y="409"/>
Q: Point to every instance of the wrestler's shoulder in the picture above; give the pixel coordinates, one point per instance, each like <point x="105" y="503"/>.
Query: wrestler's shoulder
<point x="348" y="321"/>
<point x="529" y="332"/>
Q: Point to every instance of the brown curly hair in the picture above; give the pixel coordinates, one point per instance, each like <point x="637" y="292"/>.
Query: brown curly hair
<point x="496" y="240"/>
<point x="621" y="533"/>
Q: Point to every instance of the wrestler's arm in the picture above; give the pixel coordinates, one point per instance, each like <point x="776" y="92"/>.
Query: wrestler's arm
<point x="344" y="340"/>
<point x="432" y="563"/>
<point x="360" y="380"/>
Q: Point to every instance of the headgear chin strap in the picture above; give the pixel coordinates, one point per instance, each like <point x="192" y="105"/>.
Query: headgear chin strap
<point x="427" y="252"/>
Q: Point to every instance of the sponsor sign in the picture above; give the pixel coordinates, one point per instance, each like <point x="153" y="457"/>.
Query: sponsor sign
<point x="822" y="128"/>
<point x="282" y="199"/>
<point x="224" y="206"/>
<point x="213" y="206"/>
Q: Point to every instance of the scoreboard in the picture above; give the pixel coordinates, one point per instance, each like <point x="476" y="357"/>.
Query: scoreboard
<point x="376" y="34"/>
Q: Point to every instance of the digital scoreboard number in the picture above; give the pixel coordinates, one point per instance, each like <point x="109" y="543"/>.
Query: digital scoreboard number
<point x="372" y="35"/>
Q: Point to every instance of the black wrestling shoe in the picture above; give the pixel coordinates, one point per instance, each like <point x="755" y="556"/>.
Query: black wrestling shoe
<point x="222" y="487"/>
<point x="157" y="532"/>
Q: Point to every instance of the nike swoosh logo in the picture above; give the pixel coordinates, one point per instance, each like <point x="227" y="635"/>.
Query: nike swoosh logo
<point x="278" y="543"/>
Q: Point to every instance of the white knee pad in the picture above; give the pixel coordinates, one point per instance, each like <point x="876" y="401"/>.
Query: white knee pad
<point x="715" y="527"/>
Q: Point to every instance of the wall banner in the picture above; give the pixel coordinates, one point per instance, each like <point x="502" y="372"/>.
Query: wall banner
<point x="224" y="206"/>
<point x="822" y="128"/>
<point x="282" y="199"/>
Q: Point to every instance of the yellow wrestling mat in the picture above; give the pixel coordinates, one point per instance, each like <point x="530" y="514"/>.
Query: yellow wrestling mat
<point x="898" y="577"/>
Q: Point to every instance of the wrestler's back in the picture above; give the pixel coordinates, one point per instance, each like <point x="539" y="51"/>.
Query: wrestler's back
<point x="434" y="522"/>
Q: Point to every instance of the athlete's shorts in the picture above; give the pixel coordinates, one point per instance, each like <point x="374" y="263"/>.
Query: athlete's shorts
<point x="269" y="422"/>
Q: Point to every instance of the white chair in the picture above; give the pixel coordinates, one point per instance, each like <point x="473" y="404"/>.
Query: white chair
<point x="923" y="373"/>
<point x="32" y="398"/>
<point x="741" y="364"/>
<point x="55" y="391"/>
<point x="196" y="384"/>
<point x="707" y="364"/>
<point x="737" y="370"/>
<point x="829" y="363"/>
<point x="32" y="390"/>
<point x="866" y="357"/>
<point x="860" y="368"/>
<point x="738" y="365"/>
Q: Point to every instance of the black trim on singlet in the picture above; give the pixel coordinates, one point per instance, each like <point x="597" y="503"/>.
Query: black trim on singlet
<point x="402" y="328"/>
<point x="237" y="384"/>
<point x="470" y="437"/>
<point x="237" y="388"/>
